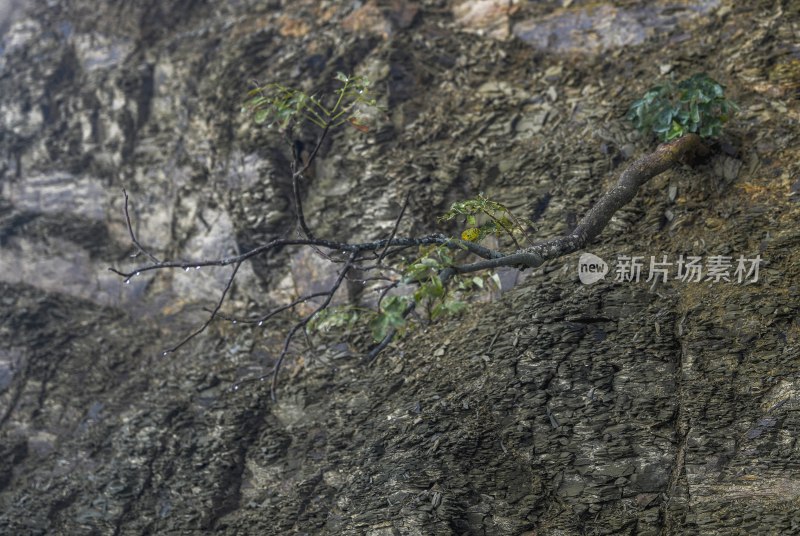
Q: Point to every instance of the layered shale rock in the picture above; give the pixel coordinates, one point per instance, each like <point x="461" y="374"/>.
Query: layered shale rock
<point x="624" y="407"/>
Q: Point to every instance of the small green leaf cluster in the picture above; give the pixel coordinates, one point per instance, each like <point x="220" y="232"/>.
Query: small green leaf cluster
<point x="276" y="104"/>
<point x="334" y="319"/>
<point x="431" y="293"/>
<point x="696" y="104"/>
<point x="431" y="297"/>
<point x="425" y="272"/>
<point x="498" y="219"/>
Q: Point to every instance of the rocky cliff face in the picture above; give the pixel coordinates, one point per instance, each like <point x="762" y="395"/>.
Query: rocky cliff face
<point x="622" y="407"/>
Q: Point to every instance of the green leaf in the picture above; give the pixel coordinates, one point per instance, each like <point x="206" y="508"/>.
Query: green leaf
<point x="665" y="117"/>
<point x="261" y="116"/>
<point x="694" y="112"/>
<point x="676" y="131"/>
<point x="390" y="316"/>
<point x="455" y="306"/>
<point x="335" y="318"/>
<point x="444" y="255"/>
<point x="437" y="288"/>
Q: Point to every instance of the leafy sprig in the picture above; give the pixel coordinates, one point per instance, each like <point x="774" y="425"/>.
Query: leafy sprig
<point x="431" y="297"/>
<point x="498" y="220"/>
<point x="276" y="104"/>
<point x="432" y="294"/>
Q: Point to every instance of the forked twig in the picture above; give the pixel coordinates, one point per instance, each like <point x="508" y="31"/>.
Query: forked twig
<point x="304" y="322"/>
<point x="213" y="314"/>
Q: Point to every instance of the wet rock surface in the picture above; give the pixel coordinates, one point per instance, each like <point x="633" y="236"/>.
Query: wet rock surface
<point x="615" y="408"/>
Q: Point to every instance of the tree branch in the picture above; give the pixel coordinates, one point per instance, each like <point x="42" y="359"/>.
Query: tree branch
<point x="297" y="173"/>
<point x="318" y="242"/>
<point x="592" y="224"/>
<point x="637" y="174"/>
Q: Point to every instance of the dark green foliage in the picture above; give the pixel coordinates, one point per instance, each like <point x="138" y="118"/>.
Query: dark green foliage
<point x="431" y="296"/>
<point x="431" y="293"/>
<point x="696" y="104"/>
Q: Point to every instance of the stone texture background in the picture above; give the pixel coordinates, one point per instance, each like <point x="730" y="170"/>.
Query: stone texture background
<point x="618" y="408"/>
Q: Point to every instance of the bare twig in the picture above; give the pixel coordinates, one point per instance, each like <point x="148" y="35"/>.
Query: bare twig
<point x="139" y="247"/>
<point x="386" y="290"/>
<point x="314" y="152"/>
<point x="213" y="314"/>
<point x="260" y="320"/>
<point x="396" y="226"/>
<point x="373" y="354"/>
<point x="297" y="174"/>
<point x="303" y="323"/>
